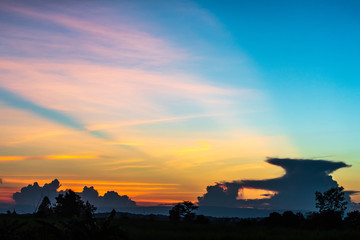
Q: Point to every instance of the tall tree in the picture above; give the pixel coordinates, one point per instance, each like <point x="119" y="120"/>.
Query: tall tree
<point x="332" y="200"/>
<point x="70" y="204"/>
<point x="45" y="208"/>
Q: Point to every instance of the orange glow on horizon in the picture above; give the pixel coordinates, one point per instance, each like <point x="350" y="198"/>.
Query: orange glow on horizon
<point x="103" y="189"/>
<point x="88" y="183"/>
<point x="145" y="202"/>
<point x="7" y="199"/>
<point x="122" y="188"/>
<point x="131" y="189"/>
<point x="355" y="197"/>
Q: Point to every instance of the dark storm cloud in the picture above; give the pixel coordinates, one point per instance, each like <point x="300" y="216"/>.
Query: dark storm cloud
<point x="29" y="198"/>
<point x="294" y="190"/>
<point x="0" y="180"/>
<point x="16" y="101"/>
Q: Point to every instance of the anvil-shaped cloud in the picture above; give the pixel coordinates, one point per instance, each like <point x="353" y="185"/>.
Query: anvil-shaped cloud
<point x="295" y="190"/>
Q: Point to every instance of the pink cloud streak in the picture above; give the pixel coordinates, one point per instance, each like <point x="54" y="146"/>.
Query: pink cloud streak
<point x="102" y="37"/>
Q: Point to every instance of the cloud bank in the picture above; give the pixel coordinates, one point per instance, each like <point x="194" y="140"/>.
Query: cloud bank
<point x="30" y="197"/>
<point x="111" y="199"/>
<point x="295" y="190"/>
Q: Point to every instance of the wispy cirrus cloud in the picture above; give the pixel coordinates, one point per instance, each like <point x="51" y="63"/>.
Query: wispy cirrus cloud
<point x="77" y="55"/>
<point x="97" y="37"/>
<point x="149" y="121"/>
<point x="143" y="94"/>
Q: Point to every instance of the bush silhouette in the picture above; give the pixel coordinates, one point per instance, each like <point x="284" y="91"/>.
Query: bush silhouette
<point x="274" y="219"/>
<point x="287" y="219"/>
<point x="353" y="219"/>
<point x="290" y="219"/>
<point x="202" y="219"/>
<point x="325" y="220"/>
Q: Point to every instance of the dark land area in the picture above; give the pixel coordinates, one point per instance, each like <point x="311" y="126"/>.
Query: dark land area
<point x="135" y="226"/>
<point x="70" y="218"/>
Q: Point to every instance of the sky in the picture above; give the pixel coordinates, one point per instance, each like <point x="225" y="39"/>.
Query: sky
<point x="159" y="99"/>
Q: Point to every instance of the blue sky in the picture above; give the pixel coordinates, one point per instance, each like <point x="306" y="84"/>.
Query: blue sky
<point x="302" y="54"/>
<point x="307" y="56"/>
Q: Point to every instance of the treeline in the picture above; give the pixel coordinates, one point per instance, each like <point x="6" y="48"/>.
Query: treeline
<point x="331" y="204"/>
<point x="70" y="218"/>
<point x="316" y="220"/>
<point x="325" y="219"/>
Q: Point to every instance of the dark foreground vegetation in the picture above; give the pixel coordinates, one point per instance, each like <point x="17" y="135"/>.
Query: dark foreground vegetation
<point x="127" y="226"/>
<point x="71" y="218"/>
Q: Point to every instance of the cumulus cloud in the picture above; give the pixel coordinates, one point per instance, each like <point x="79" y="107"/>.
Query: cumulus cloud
<point x="32" y="195"/>
<point x="90" y="194"/>
<point x="111" y="199"/>
<point x="29" y="198"/>
<point x="223" y="195"/>
<point x="295" y="190"/>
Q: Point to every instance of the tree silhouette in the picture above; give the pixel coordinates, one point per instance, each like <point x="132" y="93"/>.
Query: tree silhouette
<point x="70" y="205"/>
<point x="45" y="208"/>
<point x="274" y="219"/>
<point x="332" y="200"/>
<point x="183" y="210"/>
<point x="89" y="210"/>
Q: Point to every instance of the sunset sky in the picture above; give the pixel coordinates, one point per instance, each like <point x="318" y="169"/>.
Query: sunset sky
<point x="159" y="99"/>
